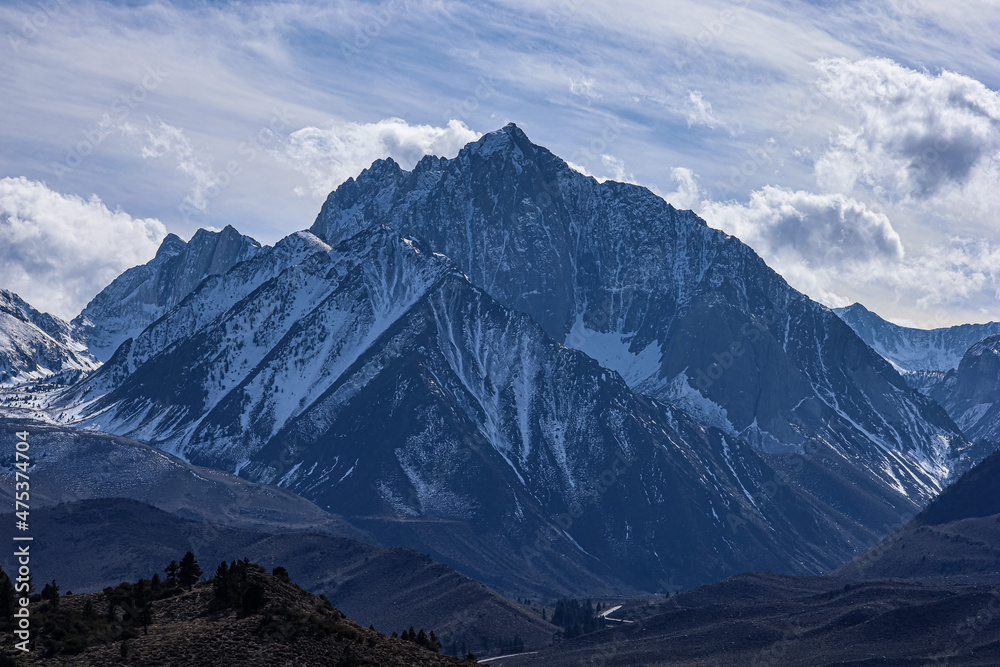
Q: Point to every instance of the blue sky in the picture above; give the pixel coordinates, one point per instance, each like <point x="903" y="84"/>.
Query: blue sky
<point x="854" y="145"/>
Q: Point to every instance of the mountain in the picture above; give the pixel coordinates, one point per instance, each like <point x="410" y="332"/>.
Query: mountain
<point x="971" y="393"/>
<point x="412" y="414"/>
<point x="35" y="346"/>
<point x="276" y="623"/>
<point x="957" y="366"/>
<point x="534" y="425"/>
<point x="659" y="297"/>
<point x="138" y="297"/>
<point x="916" y="349"/>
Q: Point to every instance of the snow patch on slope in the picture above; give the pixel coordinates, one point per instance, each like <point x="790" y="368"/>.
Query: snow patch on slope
<point x="613" y="351"/>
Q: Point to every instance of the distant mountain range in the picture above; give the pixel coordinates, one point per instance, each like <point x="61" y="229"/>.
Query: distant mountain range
<point x="141" y="295"/>
<point x="916" y="349"/>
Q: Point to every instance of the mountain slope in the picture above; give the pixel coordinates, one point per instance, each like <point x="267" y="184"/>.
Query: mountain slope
<point x="765" y="619"/>
<point x="86" y="549"/>
<point x="77" y="464"/>
<point x="376" y="380"/>
<point x="35" y="346"/>
<point x="955" y="538"/>
<point x="90" y="485"/>
<point x="286" y="626"/>
<point x="142" y="294"/>
<point x="971" y="393"/>
<point x="916" y="349"/>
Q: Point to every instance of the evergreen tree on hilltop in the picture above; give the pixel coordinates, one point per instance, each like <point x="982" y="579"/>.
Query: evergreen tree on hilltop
<point x="51" y="593"/>
<point x="189" y="571"/>
<point x="171" y="571"/>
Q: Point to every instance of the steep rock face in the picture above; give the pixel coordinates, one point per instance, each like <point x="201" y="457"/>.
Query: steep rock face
<point x="916" y="349"/>
<point x="35" y="346"/>
<point x="971" y="393"/>
<point x="656" y="295"/>
<point x="376" y="380"/>
<point x="138" y="297"/>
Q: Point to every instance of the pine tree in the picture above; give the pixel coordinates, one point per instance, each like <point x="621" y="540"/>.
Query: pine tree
<point x="171" y="571"/>
<point x="220" y="582"/>
<point x="51" y="592"/>
<point x="189" y="571"/>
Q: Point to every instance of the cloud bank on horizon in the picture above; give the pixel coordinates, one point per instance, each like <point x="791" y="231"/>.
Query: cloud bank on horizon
<point x="855" y="147"/>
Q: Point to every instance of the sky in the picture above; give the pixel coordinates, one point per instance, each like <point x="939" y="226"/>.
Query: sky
<point x="854" y="145"/>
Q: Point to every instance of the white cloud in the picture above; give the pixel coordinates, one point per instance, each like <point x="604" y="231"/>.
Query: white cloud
<point x="818" y="229"/>
<point x="916" y="136"/>
<point x="57" y="251"/>
<point x="167" y="141"/>
<point x="837" y="250"/>
<point x="584" y="88"/>
<point x="688" y="193"/>
<point x="342" y="150"/>
<point x="699" y="110"/>
<point x="813" y="240"/>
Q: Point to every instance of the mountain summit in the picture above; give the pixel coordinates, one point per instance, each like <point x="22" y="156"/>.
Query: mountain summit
<point x="683" y="312"/>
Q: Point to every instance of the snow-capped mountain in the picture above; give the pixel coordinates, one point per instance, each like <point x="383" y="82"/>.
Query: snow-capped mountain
<point x="916" y="349"/>
<point x="971" y="393"/>
<point x="503" y="363"/>
<point x="138" y="297"/>
<point x="685" y="313"/>
<point x="376" y="380"/>
<point x="35" y="346"/>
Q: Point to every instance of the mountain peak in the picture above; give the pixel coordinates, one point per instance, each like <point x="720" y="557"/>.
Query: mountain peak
<point x="171" y="245"/>
<point x="509" y="138"/>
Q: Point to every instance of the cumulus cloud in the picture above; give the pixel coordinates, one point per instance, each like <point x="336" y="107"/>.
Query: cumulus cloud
<point x="838" y="250"/>
<point x="57" y="251"/>
<point x="823" y="229"/>
<point x="329" y="156"/>
<point x="915" y="136"/>
<point x="815" y="241"/>
<point x="688" y="193"/>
